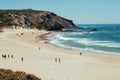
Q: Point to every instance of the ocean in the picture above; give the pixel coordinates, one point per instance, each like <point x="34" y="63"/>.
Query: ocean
<point x="106" y="40"/>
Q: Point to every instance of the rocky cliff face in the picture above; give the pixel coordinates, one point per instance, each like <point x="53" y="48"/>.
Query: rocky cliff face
<point x="34" y="19"/>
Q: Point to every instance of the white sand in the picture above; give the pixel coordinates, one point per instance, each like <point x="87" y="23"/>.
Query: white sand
<point x="42" y="62"/>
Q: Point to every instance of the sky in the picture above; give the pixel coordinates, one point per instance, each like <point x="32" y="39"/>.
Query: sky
<point x="80" y="11"/>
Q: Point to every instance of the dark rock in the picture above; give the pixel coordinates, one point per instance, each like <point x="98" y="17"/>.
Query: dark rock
<point x="27" y="22"/>
<point x="94" y="29"/>
<point x="22" y="33"/>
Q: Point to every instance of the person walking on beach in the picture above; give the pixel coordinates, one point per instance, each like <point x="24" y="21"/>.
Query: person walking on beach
<point x="39" y="48"/>
<point x="11" y="56"/>
<point x="80" y="53"/>
<point x="56" y="60"/>
<point x="59" y="60"/>
<point x="4" y="56"/>
<point x="8" y="56"/>
<point x="22" y="59"/>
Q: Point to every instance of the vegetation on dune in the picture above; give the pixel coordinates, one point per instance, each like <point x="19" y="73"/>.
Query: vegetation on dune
<point x="10" y="75"/>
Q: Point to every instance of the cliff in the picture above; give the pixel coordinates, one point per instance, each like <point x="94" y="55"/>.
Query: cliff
<point x="34" y="19"/>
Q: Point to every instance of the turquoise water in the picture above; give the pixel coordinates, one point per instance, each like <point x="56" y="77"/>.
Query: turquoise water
<point x="104" y="41"/>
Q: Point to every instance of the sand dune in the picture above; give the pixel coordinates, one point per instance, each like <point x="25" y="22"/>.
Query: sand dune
<point x="41" y="62"/>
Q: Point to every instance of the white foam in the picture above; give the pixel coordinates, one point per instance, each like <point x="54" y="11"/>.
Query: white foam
<point x="89" y="42"/>
<point x="115" y="45"/>
<point x="91" y="50"/>
<point x="59" y="38"/>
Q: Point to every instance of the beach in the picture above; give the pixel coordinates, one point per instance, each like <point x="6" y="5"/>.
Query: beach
<point x="44" y="60"/>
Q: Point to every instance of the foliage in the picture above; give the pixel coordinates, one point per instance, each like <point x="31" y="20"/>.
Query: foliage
<point x="10" y="75"/>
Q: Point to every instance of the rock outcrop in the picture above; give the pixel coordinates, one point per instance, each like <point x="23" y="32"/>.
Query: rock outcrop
<point x="34" y="19"/>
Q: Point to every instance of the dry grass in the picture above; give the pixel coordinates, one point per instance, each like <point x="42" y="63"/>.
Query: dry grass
<point x="1" y="30"/>
<point x="18" y="75"/>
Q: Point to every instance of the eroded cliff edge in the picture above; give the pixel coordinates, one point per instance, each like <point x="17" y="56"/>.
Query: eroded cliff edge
<point x="34" y="19"/>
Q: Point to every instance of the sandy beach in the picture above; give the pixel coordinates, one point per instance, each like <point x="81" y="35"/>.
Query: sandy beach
<point x="51" y="63"/>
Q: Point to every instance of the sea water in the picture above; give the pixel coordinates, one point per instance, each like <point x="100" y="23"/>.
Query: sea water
<point x="106" y="40"/>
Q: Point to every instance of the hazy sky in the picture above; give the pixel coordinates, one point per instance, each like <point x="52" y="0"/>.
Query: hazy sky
<point x="80" y="11"/>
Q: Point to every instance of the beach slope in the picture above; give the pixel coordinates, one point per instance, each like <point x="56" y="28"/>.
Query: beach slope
<point x="24" y="53"/>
